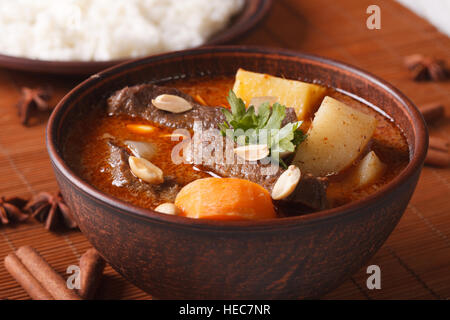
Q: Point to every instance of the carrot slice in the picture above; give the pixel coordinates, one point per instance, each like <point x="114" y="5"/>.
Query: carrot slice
<point x="225" y="199"/>
<point x="140" y="128"/>
<point x="200" y="100"/>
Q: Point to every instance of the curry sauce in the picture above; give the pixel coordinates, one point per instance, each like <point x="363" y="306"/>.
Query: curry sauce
<point x="89" y="159"/>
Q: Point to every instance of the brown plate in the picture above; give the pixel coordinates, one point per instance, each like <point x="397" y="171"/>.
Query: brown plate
<point x="296" y="257"/>
<point x="253" y="12"/>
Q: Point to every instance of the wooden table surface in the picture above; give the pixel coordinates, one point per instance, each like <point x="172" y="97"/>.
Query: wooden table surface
<point x="415" y="260"/>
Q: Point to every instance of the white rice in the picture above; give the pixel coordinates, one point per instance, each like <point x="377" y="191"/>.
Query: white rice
<point x="96" y="30"/>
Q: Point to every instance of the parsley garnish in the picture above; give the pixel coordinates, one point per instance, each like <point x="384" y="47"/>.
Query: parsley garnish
<point x="244" y="126"/>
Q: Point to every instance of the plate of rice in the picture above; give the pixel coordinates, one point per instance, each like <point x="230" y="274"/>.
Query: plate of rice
<point x="85" y="36"/>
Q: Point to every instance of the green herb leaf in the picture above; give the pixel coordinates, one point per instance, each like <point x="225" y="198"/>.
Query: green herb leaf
<point x="277" y="116"/>
<point x="246" y="122"/>
<point x="263" y="114"/>
<point x="299" y="137"/>
<point x="228" y="115"/>
<point x="237" y="105"/>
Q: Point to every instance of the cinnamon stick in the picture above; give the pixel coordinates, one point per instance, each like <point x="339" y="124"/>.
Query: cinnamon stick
<point x="91" y="270"/>
<point x="45" y="274"/>
<point x="432" y="112"/>
<point x="437" y="158"/>
<point x="29" y="283"/>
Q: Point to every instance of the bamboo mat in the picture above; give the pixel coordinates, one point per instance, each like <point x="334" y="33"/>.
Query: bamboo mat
<point x="415" y="260"/>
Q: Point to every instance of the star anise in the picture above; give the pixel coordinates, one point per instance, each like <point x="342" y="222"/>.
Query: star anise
<point x="33" y="100"/>
<point x="52" y="210"/>
<point x="11" y="210"/>
<point x="426" y="68"/>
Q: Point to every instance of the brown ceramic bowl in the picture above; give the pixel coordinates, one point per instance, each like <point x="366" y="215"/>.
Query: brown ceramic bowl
<point x="176" y="257"/>
<point x="253" y="12"/>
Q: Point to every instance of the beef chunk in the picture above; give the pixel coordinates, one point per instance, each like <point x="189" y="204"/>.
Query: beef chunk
<point x="215" y="153"/>
<point x="310" y="192"/>
<point x="123" y="177"/>
<point x="136" y="101"/>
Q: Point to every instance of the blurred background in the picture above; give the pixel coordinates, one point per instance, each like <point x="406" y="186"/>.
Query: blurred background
<point x="416" y="258"/>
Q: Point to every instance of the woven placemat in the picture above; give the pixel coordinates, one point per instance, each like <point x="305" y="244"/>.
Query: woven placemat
<point x="414" y="261"/>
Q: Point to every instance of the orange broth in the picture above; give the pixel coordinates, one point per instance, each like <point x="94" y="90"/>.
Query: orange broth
<point x="89" y="158"/>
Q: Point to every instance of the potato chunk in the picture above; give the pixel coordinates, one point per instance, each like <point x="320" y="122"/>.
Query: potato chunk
<point x="303" y="97"/>
<point x="369" y="170"/>
<point x="336" y="138"/>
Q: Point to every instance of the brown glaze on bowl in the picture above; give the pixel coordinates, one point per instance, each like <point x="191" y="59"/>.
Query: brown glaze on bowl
<point x="253" y="12"/>
<point x="174" y="257"/>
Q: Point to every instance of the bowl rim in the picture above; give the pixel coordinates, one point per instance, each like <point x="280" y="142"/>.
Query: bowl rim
<point x="86" y="67"/>
<point x="417" y="158"/>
